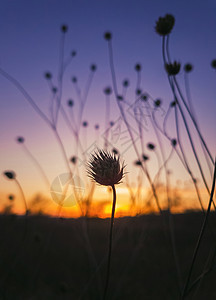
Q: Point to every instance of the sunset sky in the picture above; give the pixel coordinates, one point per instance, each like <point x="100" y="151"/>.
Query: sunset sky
<point x="30" y="37"/>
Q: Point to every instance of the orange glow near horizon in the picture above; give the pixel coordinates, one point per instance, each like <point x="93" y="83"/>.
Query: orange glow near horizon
<point x="101" y="205"/>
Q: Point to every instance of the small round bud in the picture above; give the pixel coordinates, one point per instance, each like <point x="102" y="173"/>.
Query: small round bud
<point x="145" y="157"/>
<point x="157" y="103"/>
<point x="138" y="67"/>
<point x="70" y="103"/>
<point x="73" y="159"/>
<point x="20" y="140"/>
<point x="48" y="75"/>
<point x="54" y="90"/>
<point x="173" y="103"/>
<point x="144" y="97"/>
<point x="74" y="79"/>
<point x="213" y="63"/>
<point x="138" y="163"/>
<point x="64" y="28"/>
<point x="115" y="151"/>
<point x="11" y="197"/>
<point x="85" y="123"/>
<point x="125" y="83"/>
<point x="138" y="92"/>
<point x="120" y="98"/>
<point x="151" y="146"/>
<point x="93" y="68"/>
<point x="188" y="68"/>
<point x="174" y="142"/>
<point x="97" y="126"/>
<point x="111" y="123"/>
<point x="73" y="53"/>
<point x="107" y="36"/>
<point x="108" y="91"/>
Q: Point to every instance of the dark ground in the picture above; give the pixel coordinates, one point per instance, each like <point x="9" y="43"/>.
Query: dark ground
<point x="45" y="258"/>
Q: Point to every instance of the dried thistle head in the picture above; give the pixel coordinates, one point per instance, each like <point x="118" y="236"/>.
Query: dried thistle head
<point x="173" y="68"/>
<point x="164" y="25"/>
<point x="105" y="168"/>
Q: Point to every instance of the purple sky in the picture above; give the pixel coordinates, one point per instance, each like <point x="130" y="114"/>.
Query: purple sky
<point x="30" y="36"/>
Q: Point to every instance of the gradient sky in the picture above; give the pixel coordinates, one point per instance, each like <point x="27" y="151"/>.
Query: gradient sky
<point x="30" y="36"/>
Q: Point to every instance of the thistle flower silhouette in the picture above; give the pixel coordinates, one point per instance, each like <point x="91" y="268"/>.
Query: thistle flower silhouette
<point x="173" y="68"/>
<point x="105" y="169"/>
<point x="164" y="25"/>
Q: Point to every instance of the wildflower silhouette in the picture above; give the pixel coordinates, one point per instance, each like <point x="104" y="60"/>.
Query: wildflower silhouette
<point x="164" y="25"/>
<point x="173" y="68"/>
<point x="105" y="169"/>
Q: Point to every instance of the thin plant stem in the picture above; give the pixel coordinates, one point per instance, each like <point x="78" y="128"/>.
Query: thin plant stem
<point x="200" y="235"/>
<point x="144" y="168"/>
<point x="23" y="196"/>
<point x="110" y="243"/>
<point x="26" y="95"/>
<point x="171" y="82"/>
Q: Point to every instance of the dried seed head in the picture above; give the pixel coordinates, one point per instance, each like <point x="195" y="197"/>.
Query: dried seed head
<point x="164" y="25"/>
<point x="105" y="169"/>
<point x="97" y="126"/>
<point x="74" y="79"/>
<point x="173" y="68"/>
<point x="85" y="123"/>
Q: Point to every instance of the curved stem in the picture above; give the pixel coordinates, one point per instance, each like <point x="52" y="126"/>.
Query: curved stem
<point x="110" y="242"/>
<point x="200" y="235"/>
<point x="22" y="193"/>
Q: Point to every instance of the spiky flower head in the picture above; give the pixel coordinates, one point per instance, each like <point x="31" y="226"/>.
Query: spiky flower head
<point x="164" y="25"/>
<point x="105" y="168"/>
<point x="173" y="68"/>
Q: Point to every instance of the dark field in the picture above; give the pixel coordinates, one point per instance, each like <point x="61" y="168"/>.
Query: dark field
<point x="45" y="258"/>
